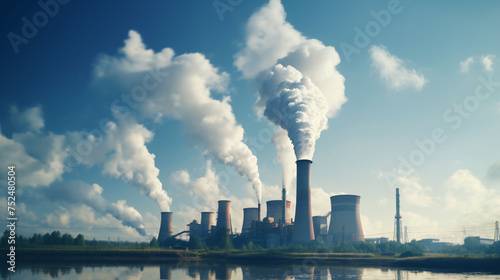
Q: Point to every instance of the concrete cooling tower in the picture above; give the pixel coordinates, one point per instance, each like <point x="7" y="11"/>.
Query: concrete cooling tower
<point x="249" y="215"/>
<point x="224" y="215"/>
<point x="207" y="221"/>
<point x="320" y="226"/>
<point x="303" y="228"/>
<point x="166" y="228"/>
<point x="275" y="210"/>
<point x="345" y="222"/>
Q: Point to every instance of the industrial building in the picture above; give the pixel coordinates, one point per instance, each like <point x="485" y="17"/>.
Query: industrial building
<point x="278" y="228"/>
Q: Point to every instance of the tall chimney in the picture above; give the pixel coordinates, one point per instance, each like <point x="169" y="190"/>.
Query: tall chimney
<point x="249" y="215"/>
<point x="166" y="229"/>
<point x="258" y="212"/>
<point x="398" y="218"/>
<point x="303" y="229"/>
<point x="345" y="222"/>
<point x="207" y="221"/>
<point x="224" y="215"/>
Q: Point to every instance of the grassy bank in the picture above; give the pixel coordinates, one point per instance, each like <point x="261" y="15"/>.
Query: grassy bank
<point x="446" y="262"/>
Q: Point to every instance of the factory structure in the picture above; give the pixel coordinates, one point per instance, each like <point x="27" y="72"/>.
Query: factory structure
<point x="278" y="228"/>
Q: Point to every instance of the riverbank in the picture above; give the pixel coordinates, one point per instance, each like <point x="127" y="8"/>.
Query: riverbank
<point x="440" y="262"/>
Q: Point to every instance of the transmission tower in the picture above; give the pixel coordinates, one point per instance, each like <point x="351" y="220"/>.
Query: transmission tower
<point x="497" y="233"/>
<point x="397" y="220"/>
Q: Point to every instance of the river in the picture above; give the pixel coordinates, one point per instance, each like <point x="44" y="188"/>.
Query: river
<point x="212" y="271"/>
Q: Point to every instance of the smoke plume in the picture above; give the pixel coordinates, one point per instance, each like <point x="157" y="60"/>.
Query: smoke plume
<point x="181" y="87"/>
<point x="300" y="87"/>
<point x="123" y="153"/>
<point x="285" y="156"/>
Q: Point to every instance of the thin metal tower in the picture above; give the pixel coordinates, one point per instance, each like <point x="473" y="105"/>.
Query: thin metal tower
<point x="397" y="219"/>
<point x="497" y="232"/>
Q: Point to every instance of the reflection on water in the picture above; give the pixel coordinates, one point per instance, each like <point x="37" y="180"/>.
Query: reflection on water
<point x="223" y="271"/>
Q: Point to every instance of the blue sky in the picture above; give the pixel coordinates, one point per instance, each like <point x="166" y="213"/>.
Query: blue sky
<point x="420" y="62"/>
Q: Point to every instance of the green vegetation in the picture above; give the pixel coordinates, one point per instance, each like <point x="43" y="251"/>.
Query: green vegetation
<point x="222" y="241"/>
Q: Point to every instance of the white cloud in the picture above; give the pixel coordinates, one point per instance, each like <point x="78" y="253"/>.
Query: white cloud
<point x="71" y="194"/>
<point x="269" y="38"/>
<point x="394" y="72"/>
<point x="487" y="61"/>
<point x="471" y="201"/>
<point x="130" y="160"/>
<point x="382" y="202"/>
<point x="39" y="155"/>
<point x="181" y="88"/>
<point x="372" y="228"/>
<point x="464" y="65"/>
<point x="135" y="58"/>
<point x="411" y="190"/>
<point x="30" y="119"/>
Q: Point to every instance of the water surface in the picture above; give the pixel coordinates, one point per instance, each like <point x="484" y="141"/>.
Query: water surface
<point x="213" y="271"/>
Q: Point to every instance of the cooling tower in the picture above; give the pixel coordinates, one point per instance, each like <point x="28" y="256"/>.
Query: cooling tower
<point x="275" y="210"/>
<point x="224" y="215"/>
<point x="166" y="228"/>
<point x="303" y="229"/>
<point x="320" y="226"/>
<point x="207" y="221"/>
<point x="249" y="215"/>
<point x="345" y="223"/>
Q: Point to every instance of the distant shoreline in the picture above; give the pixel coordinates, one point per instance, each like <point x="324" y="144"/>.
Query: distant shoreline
<point x="430" y="262"/>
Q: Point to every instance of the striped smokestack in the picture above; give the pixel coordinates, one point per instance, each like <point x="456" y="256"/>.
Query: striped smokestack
<point x="345" y="222"/>
<point x="166" y="228"/>
<point x="303" y="228"/>
<point x="224" y="215"/>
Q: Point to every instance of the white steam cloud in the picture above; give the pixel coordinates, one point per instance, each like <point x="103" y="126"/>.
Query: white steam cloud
<point x="41" y="155"/>
<point x="75" y="192"/>
<point x="299" y="107"/>
<point x="300" y="86"/>
<point x="181" y="88"/>
<point x="124" y="155"/>
<point x="285" y="156"/>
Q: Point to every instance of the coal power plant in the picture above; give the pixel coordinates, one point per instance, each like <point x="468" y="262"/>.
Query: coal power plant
<point x="278" y="228"/>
